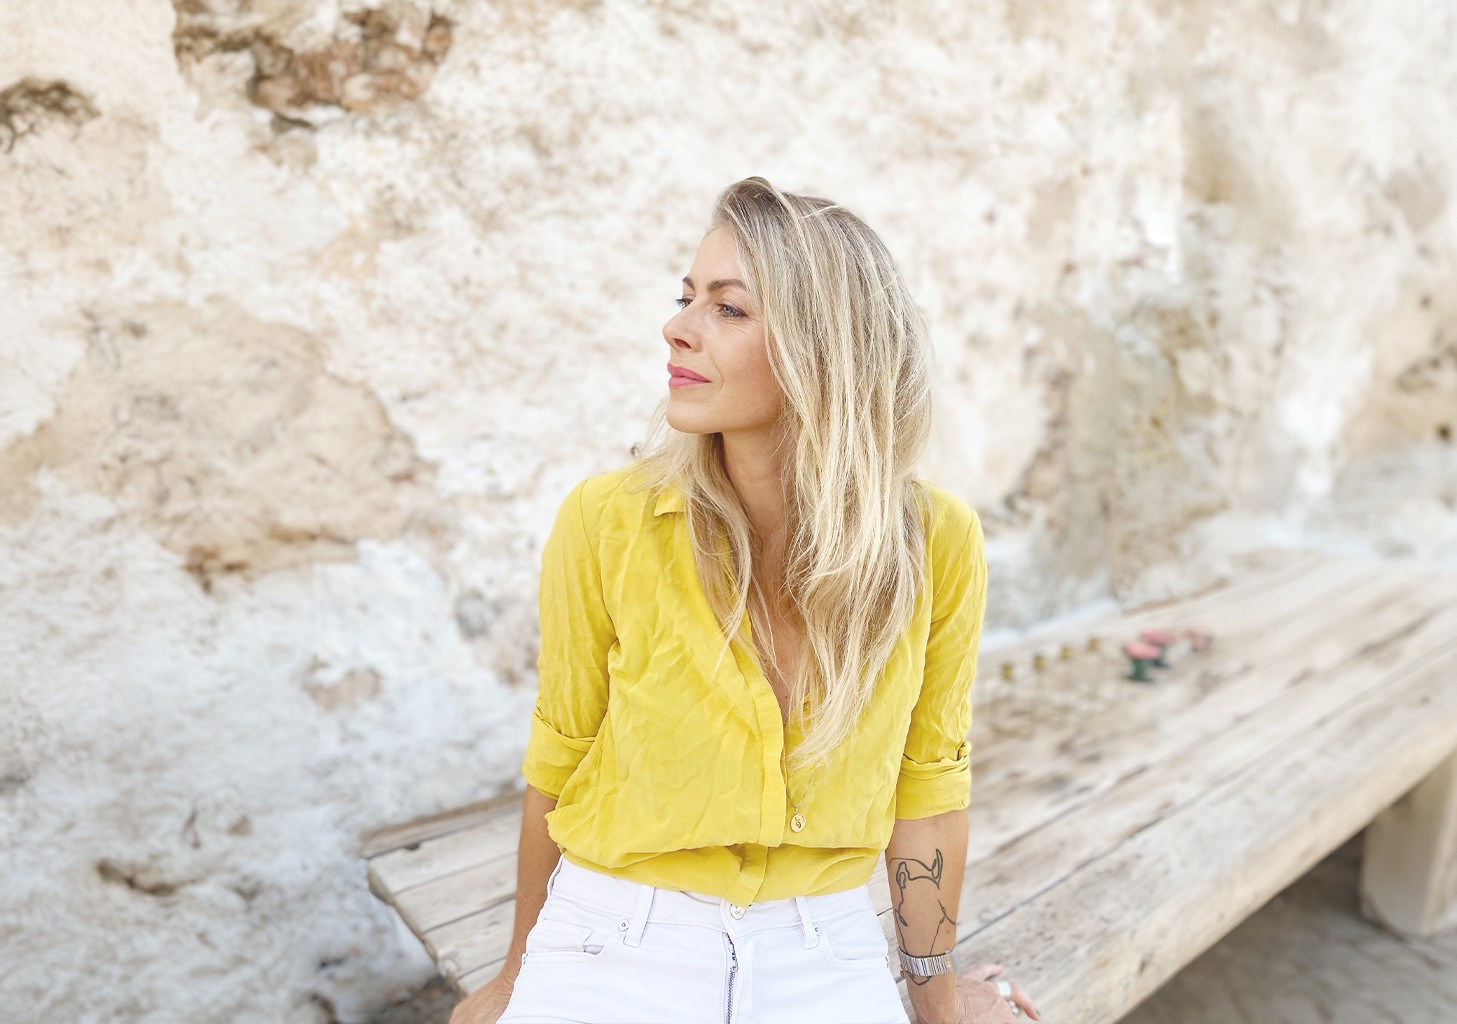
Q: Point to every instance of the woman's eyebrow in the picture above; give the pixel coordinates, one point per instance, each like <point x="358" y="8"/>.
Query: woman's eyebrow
<point x="723" y="282"/>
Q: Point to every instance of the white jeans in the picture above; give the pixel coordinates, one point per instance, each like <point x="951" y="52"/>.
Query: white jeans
<point x="606" y="950"/>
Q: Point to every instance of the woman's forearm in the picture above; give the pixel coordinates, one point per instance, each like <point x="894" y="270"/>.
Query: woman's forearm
<point x="924" y="864"/>
<point x="536" y="857"/>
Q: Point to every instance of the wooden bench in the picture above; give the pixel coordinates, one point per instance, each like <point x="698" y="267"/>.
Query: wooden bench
<point x="1107" y="853"/>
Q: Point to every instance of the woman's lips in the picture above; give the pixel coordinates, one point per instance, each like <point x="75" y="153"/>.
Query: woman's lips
<point x="678" y="377"/>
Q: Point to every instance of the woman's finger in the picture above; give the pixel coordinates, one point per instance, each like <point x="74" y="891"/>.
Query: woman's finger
<point x="1022" y="999"/>
<point x="981" y="972"/>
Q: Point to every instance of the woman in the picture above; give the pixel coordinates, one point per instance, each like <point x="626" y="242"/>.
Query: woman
<point x="702" y="817"/>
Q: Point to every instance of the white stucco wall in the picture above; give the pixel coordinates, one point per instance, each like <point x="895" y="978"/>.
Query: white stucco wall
<point x="311" y="312"/>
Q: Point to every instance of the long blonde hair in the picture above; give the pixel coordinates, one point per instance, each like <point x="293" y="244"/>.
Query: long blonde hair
<point x="848" y="347"/>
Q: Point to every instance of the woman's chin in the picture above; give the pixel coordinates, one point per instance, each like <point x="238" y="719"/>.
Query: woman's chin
<point x="688" y="424"/>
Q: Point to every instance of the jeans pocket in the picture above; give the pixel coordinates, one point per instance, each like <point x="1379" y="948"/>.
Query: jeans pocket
<point x="854" y="940"/>
<point x="571" y="931"/>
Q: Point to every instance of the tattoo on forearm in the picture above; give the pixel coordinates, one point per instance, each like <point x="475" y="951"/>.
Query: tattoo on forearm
<point x="921" y="882"/>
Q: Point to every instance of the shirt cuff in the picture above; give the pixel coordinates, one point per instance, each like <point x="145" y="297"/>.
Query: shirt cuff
<point x="551" y="757"/>
<point x="925" y="788"/>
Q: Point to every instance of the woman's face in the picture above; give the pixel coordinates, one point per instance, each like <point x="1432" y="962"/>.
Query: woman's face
<point x="718" y="334"/>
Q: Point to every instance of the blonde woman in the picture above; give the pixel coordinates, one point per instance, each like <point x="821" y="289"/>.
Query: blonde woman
<point x="757" y="647"/>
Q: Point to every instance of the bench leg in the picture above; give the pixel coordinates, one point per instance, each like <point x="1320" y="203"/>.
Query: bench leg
<point x="1409" y="865"/>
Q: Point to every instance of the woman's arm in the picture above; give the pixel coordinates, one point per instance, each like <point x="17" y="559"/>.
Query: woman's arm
<point x="577" y="634"/>
<point x="536" y="857"/>
<point x="924" y="864"/>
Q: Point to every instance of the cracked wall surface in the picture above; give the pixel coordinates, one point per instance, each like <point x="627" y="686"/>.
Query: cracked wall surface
<point x="31" y="104"/>
<point x="312" y="310"/>
<point x="245" y="457"/>
<point x="372" y="59"/>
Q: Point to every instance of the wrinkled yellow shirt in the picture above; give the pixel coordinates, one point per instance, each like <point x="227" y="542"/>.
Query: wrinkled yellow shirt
<point x="670" y="773"/>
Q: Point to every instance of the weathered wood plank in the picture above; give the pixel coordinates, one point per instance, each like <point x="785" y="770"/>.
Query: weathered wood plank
<point x="480" y="840"/>
<point x="1028" y="856"/>
<point x="1282" y="639"/>
<point x="1239" y="615"/>
<point x="474" y="943"/>
<point x="1097" y="942"/>
<point x="423" y="830"/>
<point x="1292" y="576"/>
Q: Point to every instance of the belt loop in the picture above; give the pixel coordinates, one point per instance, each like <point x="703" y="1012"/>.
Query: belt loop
<point x="806" y="923"/>
<point x="640" y="915"/>
<point x="551" y="878"/>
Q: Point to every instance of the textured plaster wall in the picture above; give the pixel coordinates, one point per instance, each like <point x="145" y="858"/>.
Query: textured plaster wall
<point x="311" y="311"/>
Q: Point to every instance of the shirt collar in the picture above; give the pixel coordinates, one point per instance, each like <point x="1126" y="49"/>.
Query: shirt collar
<point x="670" y="499"/>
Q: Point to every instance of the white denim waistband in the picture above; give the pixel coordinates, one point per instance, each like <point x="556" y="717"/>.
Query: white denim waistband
<point x="639" y="903"/>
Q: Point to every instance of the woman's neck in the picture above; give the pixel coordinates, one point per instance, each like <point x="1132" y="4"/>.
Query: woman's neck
<point x="756" y="470"/>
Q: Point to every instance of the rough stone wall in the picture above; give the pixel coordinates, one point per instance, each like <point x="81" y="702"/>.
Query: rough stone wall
<point x="312" y="310"/>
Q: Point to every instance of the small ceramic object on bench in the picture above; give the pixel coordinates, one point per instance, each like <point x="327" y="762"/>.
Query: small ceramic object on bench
<point x="1143" y="656"/>
<point x="1161" y="639"/>
<point x="1043" y="707"/>
<point x="1102" y="664"/>
<point x="1080" y="693"/>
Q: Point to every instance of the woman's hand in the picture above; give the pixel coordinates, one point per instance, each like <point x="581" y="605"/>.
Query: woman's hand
<point x="978" y="1002"/>
<point x="486" y="1004"/>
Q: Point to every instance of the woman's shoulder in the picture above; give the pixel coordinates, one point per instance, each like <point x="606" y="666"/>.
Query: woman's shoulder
<point x="611" y="493"/>
<point x="952" y="521"/>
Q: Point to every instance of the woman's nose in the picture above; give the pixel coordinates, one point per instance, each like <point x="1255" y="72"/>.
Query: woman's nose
<point x="680" y="331"/>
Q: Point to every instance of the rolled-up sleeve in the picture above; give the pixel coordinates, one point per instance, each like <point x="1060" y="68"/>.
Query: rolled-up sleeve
<point x="935" y="771"/>
<point x="577" y="634"/>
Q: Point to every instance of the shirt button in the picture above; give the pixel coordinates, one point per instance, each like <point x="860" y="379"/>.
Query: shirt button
<point x="736" y="910"/>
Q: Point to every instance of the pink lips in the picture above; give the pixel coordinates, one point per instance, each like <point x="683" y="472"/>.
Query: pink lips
<point x="678" y="377"/>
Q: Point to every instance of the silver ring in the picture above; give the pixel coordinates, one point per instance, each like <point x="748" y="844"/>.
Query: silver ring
<point x="1004" y="989"/>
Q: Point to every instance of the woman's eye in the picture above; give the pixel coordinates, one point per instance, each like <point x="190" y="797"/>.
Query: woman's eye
<point x="732" y="312"/>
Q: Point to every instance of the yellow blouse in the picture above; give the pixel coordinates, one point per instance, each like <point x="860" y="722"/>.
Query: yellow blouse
<point x="670" y="773"/>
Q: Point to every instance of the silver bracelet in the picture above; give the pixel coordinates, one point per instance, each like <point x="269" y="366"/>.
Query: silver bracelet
<point x="927" y="966"/>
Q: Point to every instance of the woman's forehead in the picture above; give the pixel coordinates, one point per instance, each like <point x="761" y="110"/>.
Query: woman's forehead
<point x="716" y="266"/>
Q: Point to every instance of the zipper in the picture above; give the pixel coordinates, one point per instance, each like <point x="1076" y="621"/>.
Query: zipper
<point x="728" y="1000"/>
